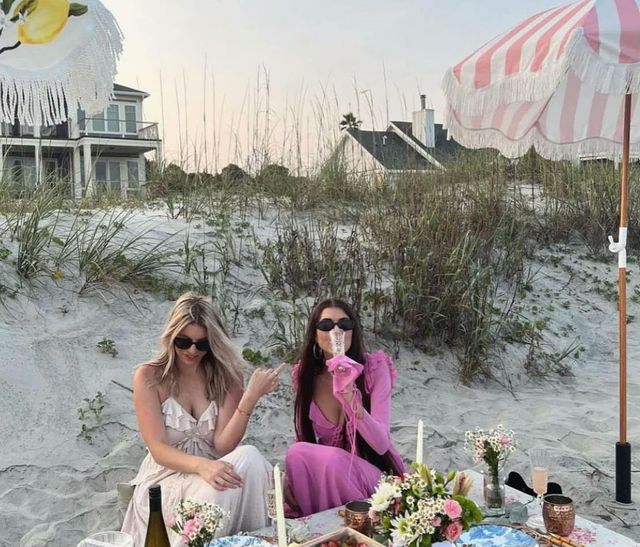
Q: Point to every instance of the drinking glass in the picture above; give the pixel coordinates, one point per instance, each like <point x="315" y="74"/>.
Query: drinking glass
<point x="271" y="509"/>
<point x="337" y="341"/>
<point x="540" y="477"/>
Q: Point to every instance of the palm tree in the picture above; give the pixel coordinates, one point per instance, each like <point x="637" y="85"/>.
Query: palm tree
<point x="349" y="121"/>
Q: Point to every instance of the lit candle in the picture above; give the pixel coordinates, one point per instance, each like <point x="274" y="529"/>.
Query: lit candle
<point x="280" y="523"/>
<point x="419" y="442"/>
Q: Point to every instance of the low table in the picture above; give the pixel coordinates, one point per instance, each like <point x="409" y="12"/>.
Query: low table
<point x="586" y="532"/>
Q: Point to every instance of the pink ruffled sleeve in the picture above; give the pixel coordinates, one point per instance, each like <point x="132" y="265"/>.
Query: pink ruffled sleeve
<point x="379" y="375"/>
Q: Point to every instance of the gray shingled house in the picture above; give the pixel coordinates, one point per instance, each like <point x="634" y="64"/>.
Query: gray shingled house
<point x="404" y="147"/>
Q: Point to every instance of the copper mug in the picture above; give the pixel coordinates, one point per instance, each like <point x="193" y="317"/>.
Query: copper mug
<point x="559" y="514"/>
<point x="356" y="516"/>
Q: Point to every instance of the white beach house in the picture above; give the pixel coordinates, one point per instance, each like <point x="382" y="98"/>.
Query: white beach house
<point x="105" y="152"/>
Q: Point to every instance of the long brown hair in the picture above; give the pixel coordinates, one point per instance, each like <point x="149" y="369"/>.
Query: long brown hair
<point x="311" y="366"/>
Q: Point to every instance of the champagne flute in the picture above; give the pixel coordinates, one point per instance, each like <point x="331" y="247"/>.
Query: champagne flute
<point x="336" y="336"/>
<point x="271" y="504"/>
<point x="540" y="477"/>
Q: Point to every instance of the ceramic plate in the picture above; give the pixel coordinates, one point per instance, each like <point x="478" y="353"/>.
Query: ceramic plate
<point x="239" y="541"/>
<point x="490" y="535"/>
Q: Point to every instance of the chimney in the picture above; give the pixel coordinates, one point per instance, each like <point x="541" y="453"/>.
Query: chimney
<point x="423" y="124"/>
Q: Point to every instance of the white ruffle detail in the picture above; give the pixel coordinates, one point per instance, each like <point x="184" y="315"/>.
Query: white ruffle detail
<point x="177" y="417"/>
<point x="597" y="148"/>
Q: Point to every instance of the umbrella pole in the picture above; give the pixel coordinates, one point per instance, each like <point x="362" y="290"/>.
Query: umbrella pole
<point x="623" y="448"/>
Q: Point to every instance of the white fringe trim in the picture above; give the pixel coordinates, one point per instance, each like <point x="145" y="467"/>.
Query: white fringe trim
<point x="84" y="79"/>
<point x="492" y="138"/>
<point x="591" y="69"/>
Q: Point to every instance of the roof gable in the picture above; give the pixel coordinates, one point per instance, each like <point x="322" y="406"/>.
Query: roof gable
<point x="117" y="88"/>
<point x="390" y="150"/>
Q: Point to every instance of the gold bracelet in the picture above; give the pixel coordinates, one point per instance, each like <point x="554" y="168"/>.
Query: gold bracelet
<point x="247" y="414"/>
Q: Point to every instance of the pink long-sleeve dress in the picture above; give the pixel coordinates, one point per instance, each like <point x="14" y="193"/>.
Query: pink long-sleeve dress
<point x="331" y="472"/>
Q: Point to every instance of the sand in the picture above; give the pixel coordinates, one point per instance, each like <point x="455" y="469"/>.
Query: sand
<point x="56" y="487"/>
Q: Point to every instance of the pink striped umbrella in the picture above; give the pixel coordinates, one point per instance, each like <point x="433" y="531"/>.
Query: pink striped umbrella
<point x="565" y="82"/>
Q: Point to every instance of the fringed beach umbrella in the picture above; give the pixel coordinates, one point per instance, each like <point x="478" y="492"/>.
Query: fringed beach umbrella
<point x="564" y="81"/>
<point x="55" y="56"/>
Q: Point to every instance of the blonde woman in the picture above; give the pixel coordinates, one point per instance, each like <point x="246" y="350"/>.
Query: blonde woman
<point x="192" y="413"/>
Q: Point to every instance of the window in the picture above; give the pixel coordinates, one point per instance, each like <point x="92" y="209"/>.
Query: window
<point x="130" y="118"/>
<point x="107" y="174"/>
<point x="101" y="171"/>
<point x="98" y="122"/>
<point x="133" y="174"/>
<point x="113" y="119"/>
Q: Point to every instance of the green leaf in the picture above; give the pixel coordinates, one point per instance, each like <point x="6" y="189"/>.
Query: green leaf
<point x="76" y="9"/>
<point x="6" y="5"/>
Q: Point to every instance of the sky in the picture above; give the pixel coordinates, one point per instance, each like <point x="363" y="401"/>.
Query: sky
<point x="249" y="81"/>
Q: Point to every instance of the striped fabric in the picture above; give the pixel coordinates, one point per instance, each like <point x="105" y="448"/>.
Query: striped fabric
<point x="556" y="81"/>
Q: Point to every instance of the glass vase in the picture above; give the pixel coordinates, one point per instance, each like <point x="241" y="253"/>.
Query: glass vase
<point x="493" y="492"/>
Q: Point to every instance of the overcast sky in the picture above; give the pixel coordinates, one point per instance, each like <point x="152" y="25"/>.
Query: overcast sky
<point x="303" y="63"/>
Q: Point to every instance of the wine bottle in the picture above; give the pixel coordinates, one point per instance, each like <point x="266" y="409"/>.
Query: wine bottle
<point x="156" y="529"/>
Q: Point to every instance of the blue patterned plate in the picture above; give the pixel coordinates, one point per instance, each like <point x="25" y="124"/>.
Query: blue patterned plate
<point x="493" y="535"/>
<point x="239" y="541"/>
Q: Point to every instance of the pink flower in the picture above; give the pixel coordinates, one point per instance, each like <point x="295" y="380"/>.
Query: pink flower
<point x="396" y="508"/>
<point x="462" y="484"/>
<point x="505" y="441"/>
<point x="452" y="509"/>
<point x="189" y="527"/>
<point x="170" y="521"/>
<point x="436" y="522"/>
<point x="453" y="531"/>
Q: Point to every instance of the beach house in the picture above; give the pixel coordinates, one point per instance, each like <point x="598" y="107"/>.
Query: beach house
<point x="404" y="147"/>
<point x="104" y="152"/>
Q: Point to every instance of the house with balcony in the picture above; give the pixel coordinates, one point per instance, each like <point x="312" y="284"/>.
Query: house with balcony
<point x="102" y="153"/>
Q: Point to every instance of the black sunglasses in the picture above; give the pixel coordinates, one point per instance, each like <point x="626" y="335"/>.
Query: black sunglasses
<point x="327" y="325"/>
<point x="183" y="342"/>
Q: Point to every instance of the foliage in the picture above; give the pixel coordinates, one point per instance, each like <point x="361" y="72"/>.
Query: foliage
<point x="423" y="507"/>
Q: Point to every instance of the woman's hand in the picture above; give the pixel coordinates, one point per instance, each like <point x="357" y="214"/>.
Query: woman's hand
<point x="264" y="381"/>
<point x="219" y="474"/>
<point x="289" y="498"/>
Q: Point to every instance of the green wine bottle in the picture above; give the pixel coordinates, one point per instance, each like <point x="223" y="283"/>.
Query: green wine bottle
<point x="156" y="529"/>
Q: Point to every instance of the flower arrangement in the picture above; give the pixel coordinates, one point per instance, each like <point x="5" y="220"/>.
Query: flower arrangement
<point x="493" y="446"/>
<point x="423" y="507"/>
<point x="196" y="523"/>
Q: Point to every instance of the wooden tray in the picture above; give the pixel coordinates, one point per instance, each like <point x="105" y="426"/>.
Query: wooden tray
<point x="341" y="534"/>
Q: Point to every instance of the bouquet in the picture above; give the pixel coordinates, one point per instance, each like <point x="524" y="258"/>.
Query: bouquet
<point x="196" y="523"/>
<point x="493" y="447"/>
<point x="423" y="507"/>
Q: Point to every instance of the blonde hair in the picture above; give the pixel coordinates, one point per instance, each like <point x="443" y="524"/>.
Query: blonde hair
<point x="222" y="365"/>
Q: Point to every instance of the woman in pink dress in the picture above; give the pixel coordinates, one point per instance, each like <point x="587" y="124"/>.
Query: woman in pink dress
<point x="342" y="411"/>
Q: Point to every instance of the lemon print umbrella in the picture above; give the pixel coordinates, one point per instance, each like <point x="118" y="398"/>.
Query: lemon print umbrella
<point x="56" y="56"/>
<point x="40" y="21"/>
<point x="44" y="19"/>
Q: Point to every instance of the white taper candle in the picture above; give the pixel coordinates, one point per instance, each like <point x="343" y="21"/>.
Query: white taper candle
<point x="419" y="441"/>
<point x="280" y="522"/>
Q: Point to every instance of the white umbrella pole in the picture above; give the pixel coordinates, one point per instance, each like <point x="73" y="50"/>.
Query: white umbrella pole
<point x="623" y="448"/>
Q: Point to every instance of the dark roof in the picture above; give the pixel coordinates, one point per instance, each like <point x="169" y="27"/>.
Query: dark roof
<point x="124" y="89"/>
<point x="444" y="148"/>
<point x="390" y="150"/>
<point x="405" y="127"/>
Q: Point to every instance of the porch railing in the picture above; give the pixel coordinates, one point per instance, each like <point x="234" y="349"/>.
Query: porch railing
<point x="126" y="129"/>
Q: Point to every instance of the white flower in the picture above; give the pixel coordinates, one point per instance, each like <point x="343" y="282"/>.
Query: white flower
<point x="383" y="496"/>
<point x="3" y="19"/>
